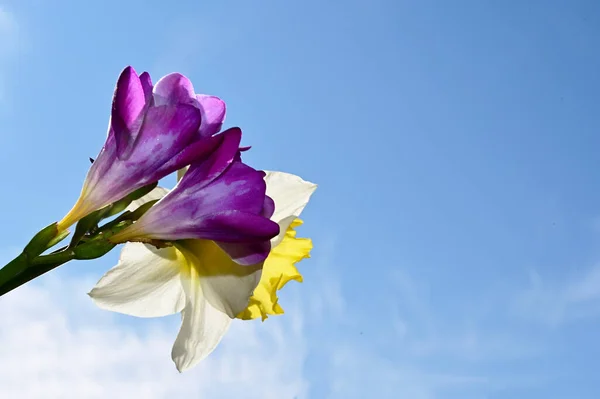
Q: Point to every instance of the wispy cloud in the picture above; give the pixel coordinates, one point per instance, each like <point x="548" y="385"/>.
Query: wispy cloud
<point x="8" y="32"/>
<point x="9" y="43"/>
<point x="403" y="347"/>
<point x="55" y="344"/>
<point x="556" y="302"/>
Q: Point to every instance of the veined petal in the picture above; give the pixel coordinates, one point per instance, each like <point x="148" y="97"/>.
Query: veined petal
<point x="202" y="326"/>
<point x="165" y="131"/>
<point x="278" y="269"/>
<point x="226" y="285"/>
<point x="165" y="128"/>
<point x="290" y="194"/>
<point x="145" y="283"/>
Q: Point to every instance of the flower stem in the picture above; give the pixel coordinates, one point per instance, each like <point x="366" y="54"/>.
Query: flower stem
<point x="27" y="275"/>
<point x="13" y="268"/>
<point x="21" y="270"/>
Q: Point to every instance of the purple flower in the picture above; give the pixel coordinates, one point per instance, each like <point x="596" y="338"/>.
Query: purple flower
<point x="153" y="131"/>
<point x="219" y="199"/>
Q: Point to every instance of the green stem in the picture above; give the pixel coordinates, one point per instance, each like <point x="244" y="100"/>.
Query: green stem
<point x="20" y="271"/>
<point x="26" y="276"/>
<point x="58" y="257"/>
<point x="13" y="268"/>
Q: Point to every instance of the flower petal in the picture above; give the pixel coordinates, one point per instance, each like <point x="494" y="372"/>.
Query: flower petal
<point x="291" y="194"/>
<point x="174" y="88"/>
<point x="226" y="209"/>
<point x="213" y="114"/>
<point x="166" y="130"/>
<point x="278" y="269"/>
<point x="226" y="285"/>
<point x="195" y="152"/>
<point x="145" y="283"/>
<point x="146" y="81"/>
<point x="202" y="327"/>
<point x="247" y="254"/>
<point x="268" y="207"/>
<point x="203" y="173"/>
<point x="126" y="116"/>
<point x="227" y="226"/>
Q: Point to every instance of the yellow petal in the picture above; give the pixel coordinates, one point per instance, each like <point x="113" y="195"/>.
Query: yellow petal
<point x="278" y="269"/>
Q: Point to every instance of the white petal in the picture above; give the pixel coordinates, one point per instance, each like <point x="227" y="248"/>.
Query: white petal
<point x="231" y="293"/>
<point x="181" y="172"/>
<point x="291" y="194"/>
<point x="226" y="285"/>
<point x="155" y="194"/>
<point x="145" y="283"/>
<point x="202" y="327"/>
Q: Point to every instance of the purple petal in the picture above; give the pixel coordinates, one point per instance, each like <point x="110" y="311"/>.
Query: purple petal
<point x="229" y="226"/>
<point x="165" y="131"/>
<point x="174" y="89"/>
<point x="202" y="173"/>
<point x="195" y="152"/>
<point x="268" y="207"/>
<point x="165" y="134"/>
<point x="147" y="86"/>
<point x="247" y="254"/>
<point x="127" y="107"/>
<point x="240" y="187"/>
<point x="236" y="226"/>
<point x="238" y="156"/>
<point x="229" y="209"/>
<point x="213" y="114"/>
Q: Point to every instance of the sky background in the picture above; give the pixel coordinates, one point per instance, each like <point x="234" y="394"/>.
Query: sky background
<point x="456" y="226"/>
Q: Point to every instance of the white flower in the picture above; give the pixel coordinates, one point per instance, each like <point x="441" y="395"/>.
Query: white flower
<point x="198" y="279"/>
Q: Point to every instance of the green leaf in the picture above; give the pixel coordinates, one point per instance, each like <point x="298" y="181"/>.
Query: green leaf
<point x="135" y="215"/>
<point x="93" y="249"/>
<point x="122" y="204"/>
<point x="85" y="225"/>
<point x="61" y="236"/>
<point x="39" y="242"/>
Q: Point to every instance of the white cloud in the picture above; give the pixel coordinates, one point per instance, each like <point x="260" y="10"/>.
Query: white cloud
<point x="8" y="32"/>
<point x="56" y="344"/>
<point x="9" y="43"/>
<point x="556" y="302"/>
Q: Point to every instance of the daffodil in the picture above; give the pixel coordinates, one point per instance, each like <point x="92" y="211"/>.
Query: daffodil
<point x="153" y="131"/>
<point x="200" y="280"/>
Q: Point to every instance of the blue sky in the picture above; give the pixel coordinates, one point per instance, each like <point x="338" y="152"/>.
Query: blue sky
<point x="456" y="225"/>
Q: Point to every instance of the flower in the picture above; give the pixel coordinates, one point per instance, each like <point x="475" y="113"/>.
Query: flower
<point x="219" y="199"/>
<point x="153" y="131"/>
<point x="198" y="279"/>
